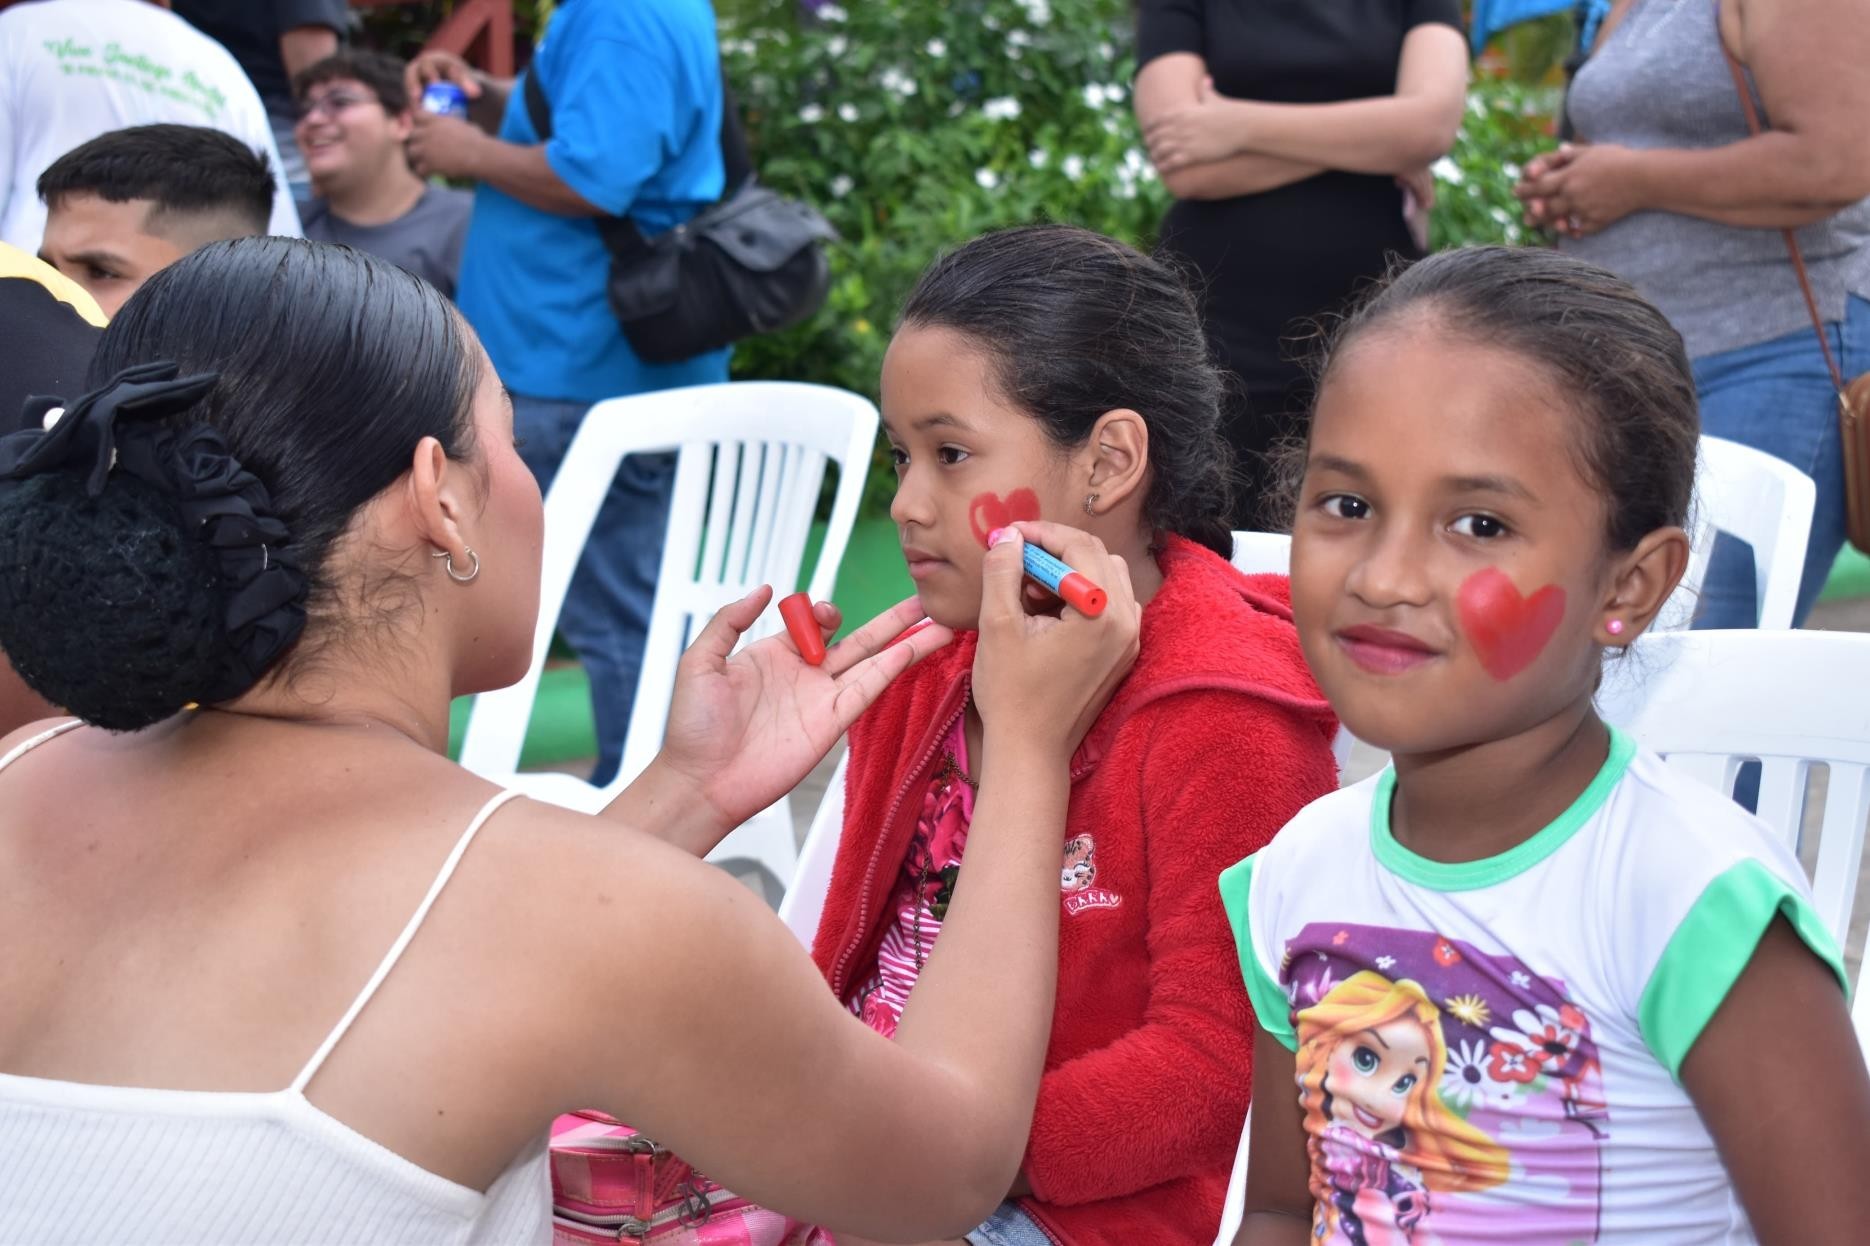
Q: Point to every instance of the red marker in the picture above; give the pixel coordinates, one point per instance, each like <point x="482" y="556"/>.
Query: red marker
<point x="796" y="610"/>
<point x="1076" y="588"/>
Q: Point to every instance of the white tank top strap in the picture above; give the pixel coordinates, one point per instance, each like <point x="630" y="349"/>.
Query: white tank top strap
<point x="395" y="953"/>
<point x="26" y="746"/>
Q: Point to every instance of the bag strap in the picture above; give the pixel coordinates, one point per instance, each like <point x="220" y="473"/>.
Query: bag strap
<point x="1792" y="243"/>
<point x="620" y="233"/>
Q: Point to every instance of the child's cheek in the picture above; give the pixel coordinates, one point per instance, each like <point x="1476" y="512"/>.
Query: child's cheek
<point x="1508" y="631"/>
<point x="989" y="511"/>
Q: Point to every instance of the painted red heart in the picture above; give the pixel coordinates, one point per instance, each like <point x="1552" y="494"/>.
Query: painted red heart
<point x="989" y="511"/>
<point x="1508" y="630"/>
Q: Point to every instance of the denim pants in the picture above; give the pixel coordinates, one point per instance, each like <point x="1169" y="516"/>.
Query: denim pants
<point x="1009" y="1226"/>
<point x="1777" y="396"/>
<point x="605" y="618"/>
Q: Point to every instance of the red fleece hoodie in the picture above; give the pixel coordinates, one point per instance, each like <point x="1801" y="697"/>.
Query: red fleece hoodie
<point x="1215" y="739"/>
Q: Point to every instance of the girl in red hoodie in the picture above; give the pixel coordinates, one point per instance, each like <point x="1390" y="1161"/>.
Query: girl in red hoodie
<point x="1051" y="373"/>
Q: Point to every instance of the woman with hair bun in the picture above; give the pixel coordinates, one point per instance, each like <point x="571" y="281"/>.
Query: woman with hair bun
<point x="278" y="971"/>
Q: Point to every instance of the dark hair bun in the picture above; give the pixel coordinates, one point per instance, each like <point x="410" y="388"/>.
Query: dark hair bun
<point x="107" y="609"/>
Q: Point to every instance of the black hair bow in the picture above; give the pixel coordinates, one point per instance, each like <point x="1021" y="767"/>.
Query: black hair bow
<point x="119" y="428"/>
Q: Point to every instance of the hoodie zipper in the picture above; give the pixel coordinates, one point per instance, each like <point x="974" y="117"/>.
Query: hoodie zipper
<point x="838" y="984"/>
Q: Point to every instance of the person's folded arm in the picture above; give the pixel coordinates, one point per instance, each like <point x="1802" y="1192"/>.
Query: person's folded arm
<point x="1811" y="62"/>
<point x="1174" y="81"/>
<point x="1392" y="134"/>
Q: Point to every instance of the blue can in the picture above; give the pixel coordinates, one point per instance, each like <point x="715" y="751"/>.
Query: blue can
<point x="445" y="99"/>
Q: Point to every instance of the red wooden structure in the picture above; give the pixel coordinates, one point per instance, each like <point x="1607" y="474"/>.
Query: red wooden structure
<point x="481" y="31"/>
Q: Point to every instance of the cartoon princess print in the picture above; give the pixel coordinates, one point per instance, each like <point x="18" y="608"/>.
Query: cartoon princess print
<point x="1370" y="1063"/>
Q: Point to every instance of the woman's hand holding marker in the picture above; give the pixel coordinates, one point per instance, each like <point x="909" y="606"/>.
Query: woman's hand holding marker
<point x="1051" y="675"/>
<point x="745" y="727"/>
<point x="1061" y="581"/>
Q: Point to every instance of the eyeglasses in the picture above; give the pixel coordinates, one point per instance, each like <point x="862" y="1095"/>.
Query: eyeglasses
<point x="331" y="103"/>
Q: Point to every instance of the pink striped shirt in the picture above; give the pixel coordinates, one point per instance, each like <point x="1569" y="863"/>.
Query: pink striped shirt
<point x="920" y="897"/>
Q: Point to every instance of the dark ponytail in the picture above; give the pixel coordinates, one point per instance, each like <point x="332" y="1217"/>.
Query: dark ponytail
<point x="331" y="365"/>
<point x="1078" y="324"/>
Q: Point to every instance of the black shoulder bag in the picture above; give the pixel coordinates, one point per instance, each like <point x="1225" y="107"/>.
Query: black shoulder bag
<point x="751" y="262"/>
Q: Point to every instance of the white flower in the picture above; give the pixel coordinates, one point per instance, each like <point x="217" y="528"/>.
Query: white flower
<point x="1111" y="124"/>
<point x="1038" y="12"/>
<point x="812" y="114"/>
<point x="1094" y="95"/>
<point x="837" y="45"/>
<point x="894" y="79"/>
<point x="1385" y="963"/>
<point x="841" y="185"/>
<point x="1038" y="158"/>
<point x="1463" y="1081"/>
<point x="847" y="113"/>
<point x="987" y="178"/>
<point x="1511" y="170"/>
<point x="831" y="13"/>
<point x="937" y="48"/>
<point x="1017" y="38"/>
<point x="1448" y="171"/>
<point x="1136" y="162"/>
<point x="1074" y="167"/>
<point x="1003" y="108"/>
<point x="1521" y="979"/>
<point x="1106" y="52"/>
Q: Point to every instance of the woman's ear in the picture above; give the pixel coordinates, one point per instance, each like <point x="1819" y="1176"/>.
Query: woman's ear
<point x="436" y="500"/>
<point x="1117" y="456"/>
<point x="1642" y="581"/>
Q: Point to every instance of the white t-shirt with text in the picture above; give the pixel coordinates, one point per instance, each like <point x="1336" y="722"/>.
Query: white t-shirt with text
<point x="71" y="70"/>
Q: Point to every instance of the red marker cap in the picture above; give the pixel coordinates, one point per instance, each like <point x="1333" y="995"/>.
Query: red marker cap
<point x="1082" y="595"/>
<point x="796" y="610"/>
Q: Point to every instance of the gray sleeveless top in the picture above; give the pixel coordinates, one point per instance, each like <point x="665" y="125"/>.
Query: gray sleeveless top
<point x="1659" y="80"/>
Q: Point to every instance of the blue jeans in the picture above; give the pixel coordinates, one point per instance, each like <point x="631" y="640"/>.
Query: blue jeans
<point x="605" y="618"/>
<point x="1777" y="396"/>
<point x="1009" y="1226"/>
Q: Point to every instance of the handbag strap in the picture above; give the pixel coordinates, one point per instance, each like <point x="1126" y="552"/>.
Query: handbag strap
<point x="1792" y="243"/>
<point x="620" y="233"/>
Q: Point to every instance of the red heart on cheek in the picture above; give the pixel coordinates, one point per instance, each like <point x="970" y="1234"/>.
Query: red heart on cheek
<point x="989" y="511"/>
<point x="1508" y="631"/>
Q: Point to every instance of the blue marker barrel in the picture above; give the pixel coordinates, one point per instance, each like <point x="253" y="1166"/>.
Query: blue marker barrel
<point x="1078" y="592"/>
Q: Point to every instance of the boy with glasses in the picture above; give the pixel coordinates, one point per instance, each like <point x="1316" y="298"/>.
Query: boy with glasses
<point x="353" y="119"/>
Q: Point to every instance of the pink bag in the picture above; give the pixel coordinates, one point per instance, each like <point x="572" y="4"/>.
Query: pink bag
<point x="611" y="1184"/>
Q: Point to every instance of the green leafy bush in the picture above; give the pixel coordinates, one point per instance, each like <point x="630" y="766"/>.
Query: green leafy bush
<point x="915" y="126"/>
<point x="1507" y="124"/>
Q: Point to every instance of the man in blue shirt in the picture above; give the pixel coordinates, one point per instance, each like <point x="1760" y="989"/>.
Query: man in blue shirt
<point x="635" y="94"/>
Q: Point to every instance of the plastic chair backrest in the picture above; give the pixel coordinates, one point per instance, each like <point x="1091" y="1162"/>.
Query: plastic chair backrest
<point x="750" y="465"/>
<point x="1263" y="553"/>
<point x="804" y="901"/>
<point x="1790" y="700"/>
<point x="1756" y="498"/>
<point x="1270" y="553"/>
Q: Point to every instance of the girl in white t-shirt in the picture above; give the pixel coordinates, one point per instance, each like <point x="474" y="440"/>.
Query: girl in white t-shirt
<point x="1530" y="985"/>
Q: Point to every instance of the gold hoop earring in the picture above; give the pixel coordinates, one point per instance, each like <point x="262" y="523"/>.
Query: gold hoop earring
<point x="449" y="566"/>
<point x="1090" y="505"/>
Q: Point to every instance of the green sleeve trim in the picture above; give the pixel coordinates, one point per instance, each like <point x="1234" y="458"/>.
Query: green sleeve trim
<point x="1271" y="1008"/>
<point x="1708" y="951"/>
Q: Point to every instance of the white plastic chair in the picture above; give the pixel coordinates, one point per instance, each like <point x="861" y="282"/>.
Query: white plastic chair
<point x="804" y="901"/>
<point x="1756" y="498"/>
<point x="1270" y="553"/>
<point x="1263" y="553"/>
<point x="1790" y="700"/>
<point x="750" y="465"/>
